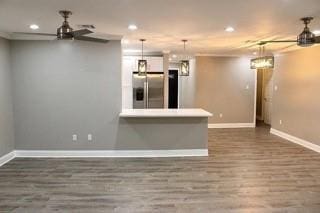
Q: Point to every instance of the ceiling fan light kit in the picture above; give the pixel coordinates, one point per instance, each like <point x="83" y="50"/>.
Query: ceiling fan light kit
<point x="306" y="38"/>
<point x="65" y="32"/>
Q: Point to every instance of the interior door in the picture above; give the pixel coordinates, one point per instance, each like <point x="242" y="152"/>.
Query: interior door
<point x="173" y="89"/>
<point x="267" y="95"/>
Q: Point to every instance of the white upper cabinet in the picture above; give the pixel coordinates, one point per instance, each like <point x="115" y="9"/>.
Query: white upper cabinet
<point x="155" y="64"/>
<point x="127" y="69"/>
<point x="129" y="65"/>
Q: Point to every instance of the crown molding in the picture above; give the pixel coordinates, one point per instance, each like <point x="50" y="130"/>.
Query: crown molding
<point x="5" y="35"/>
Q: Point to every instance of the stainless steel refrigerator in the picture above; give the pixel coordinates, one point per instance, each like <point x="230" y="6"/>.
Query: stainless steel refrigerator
<point x="148" y="90"/>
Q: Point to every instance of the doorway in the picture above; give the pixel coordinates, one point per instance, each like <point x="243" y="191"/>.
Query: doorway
<point x="173" y="89"/>
<point x="264" y="95"/>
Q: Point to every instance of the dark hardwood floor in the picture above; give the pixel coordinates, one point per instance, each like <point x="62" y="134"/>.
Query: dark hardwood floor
<point x="248" y="170"/>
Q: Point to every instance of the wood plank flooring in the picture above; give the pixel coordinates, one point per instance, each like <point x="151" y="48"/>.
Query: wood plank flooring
<point x="248" y="170"/>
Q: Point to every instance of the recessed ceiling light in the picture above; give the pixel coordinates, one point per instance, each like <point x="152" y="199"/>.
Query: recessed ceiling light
<point x="34" y="27"/>
<point x="174" y="56"/>
<point x="170" y="59"/>
<point x="254" y="53"/>
<point x="316" y="32"/>
<point x="229" y="29"/>
<point x="132" y="27"/>
<point x="125" y="41"/>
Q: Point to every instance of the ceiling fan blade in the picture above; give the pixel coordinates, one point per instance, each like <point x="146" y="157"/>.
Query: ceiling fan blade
<point x="85" y="38"/>
<point x="287" y="47"/>
<point x="278" y="41"/>
<point x="252" y="45"/>
<point x="81" y="32"/>
<point x="39" y="34"/>
<point x="317" y="39"/>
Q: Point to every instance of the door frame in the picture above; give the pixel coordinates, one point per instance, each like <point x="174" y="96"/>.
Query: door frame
<point x="263" y="95"/>
<point x="255" y="95"/>
<point x="179" y="85"/>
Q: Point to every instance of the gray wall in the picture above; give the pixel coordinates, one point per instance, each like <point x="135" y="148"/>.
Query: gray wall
<point x="221" y="87"/>
<point x="6" y="114"/>
<point x="297" y="100"/>
<point x="187" y="87"/>
<point x="166" y="80"/>
<point x="63" y="88"/>
<point x="162" y="133"/>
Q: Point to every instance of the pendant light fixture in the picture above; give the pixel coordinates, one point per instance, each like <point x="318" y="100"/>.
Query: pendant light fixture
<point x="263" y="61"/>
<point x="142" y="64"/>
<point x="184" y="64"/>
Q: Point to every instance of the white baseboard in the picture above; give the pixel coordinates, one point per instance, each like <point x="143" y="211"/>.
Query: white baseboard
<point x="231" y="125"/>
<point x="103" y="154"/>
<point x="6" y="158"/>
<point x="111" y="153"/>
<point x="296" y="140"/>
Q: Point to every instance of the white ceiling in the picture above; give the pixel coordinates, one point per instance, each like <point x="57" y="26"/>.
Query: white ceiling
<point x="165" y="22"/>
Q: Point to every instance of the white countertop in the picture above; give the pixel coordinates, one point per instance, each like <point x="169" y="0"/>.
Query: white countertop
<point x="156" y="113"/>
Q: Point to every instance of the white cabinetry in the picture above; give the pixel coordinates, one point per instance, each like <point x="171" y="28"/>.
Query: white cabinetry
<point x="130" y="65"/>
<point x="127" y="67"/>
<point x="155" y="64"/>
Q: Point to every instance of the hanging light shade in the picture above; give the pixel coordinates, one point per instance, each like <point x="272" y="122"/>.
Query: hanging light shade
<point x="142" y="67"/>
<point x="184" y="68"/>
<point x="266" y="62"/>
<point x="142" y="64"/>
<point x="184" y="64"/>
<point x="262" y="62"/>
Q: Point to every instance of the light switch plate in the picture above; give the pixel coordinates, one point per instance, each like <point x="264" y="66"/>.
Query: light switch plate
<point x="89" y="137"/>
<point x="74" y="137"/>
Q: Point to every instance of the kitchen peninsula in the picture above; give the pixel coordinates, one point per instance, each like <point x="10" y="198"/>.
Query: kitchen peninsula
<point x="176" y="132"/>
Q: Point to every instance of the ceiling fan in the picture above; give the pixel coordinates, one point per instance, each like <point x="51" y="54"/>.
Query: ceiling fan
<point x="65" y="32"/>
<point x="304" y="39"/>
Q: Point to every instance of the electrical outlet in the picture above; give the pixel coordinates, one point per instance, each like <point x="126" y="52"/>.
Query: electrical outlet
<point x="74" y="137"/>
<point x="89" y="137"/>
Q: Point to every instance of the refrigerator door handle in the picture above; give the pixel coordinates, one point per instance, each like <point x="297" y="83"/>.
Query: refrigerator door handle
<point x="145" y="94"/>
